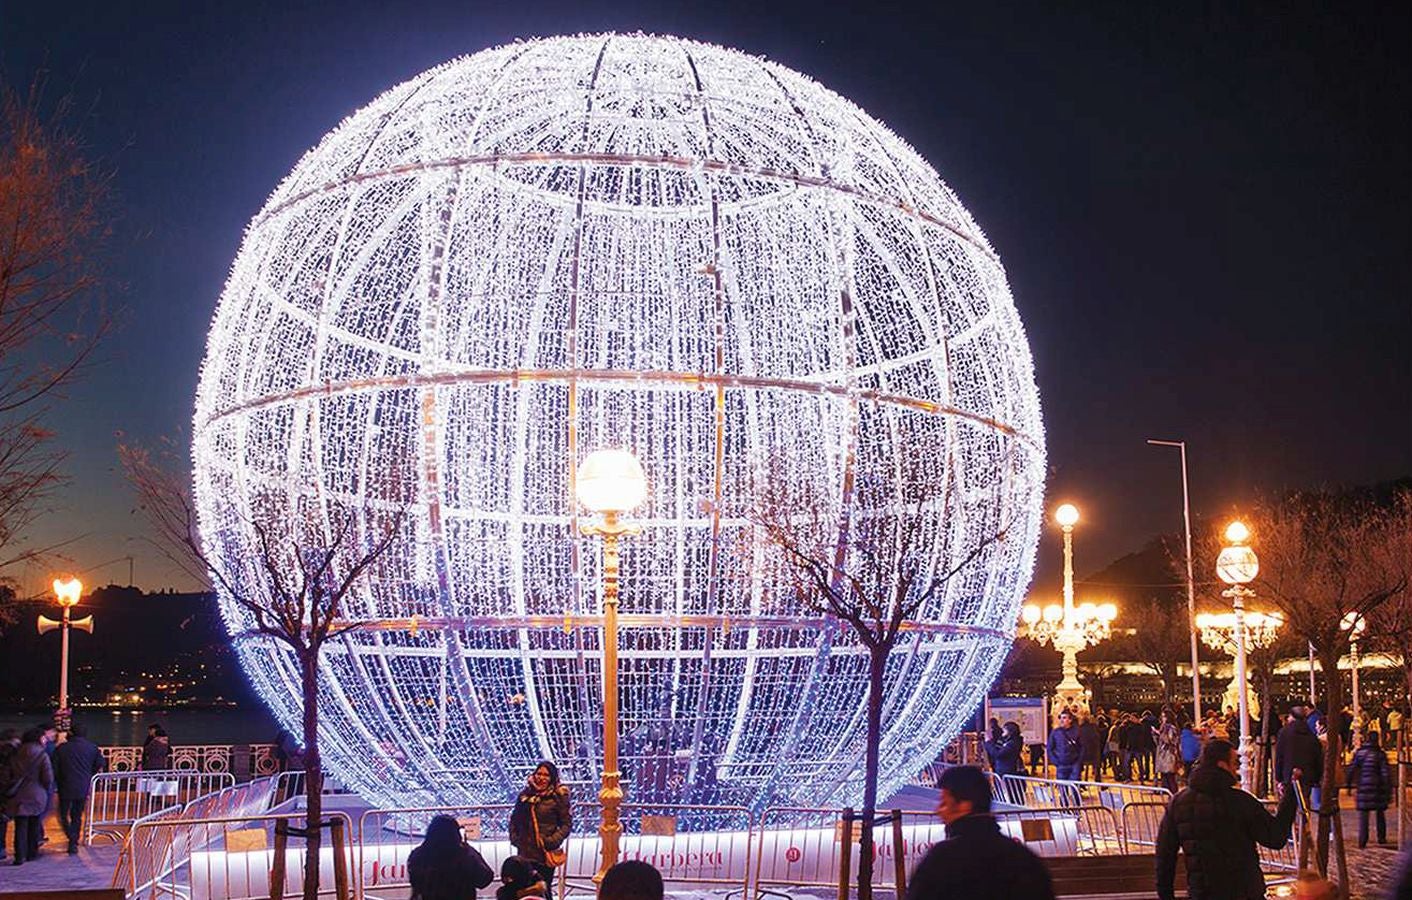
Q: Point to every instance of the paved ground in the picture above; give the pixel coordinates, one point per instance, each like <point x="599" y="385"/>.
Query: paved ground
<point x="55" y="869"/>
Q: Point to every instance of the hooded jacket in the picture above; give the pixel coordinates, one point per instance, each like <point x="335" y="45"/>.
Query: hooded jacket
<point x="978" y="862"/>
<point x="1216" y="826"/>
<point x="1371" y="778"/>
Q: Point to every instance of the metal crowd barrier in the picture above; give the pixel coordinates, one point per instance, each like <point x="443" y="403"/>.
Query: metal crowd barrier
<point x="221" y="858"/>
<point x="117" y="799"/>
<point x="1053" y="793"/>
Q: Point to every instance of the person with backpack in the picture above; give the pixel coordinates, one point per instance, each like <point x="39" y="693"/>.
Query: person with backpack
<point x="25" y="786"/>
<point x="1065" y="748"/>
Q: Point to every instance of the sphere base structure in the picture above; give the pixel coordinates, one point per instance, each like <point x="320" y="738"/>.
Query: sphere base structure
<point x="602" y="241"/>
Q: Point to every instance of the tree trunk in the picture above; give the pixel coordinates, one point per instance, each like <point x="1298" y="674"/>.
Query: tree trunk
<point x="1262" y="786"/>
<point x="1328" y="802"/>
<point x="877" y="663"/>
<point x="313" y="774"/>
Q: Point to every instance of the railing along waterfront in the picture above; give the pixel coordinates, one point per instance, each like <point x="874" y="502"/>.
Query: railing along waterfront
<point x="243" y="760"/>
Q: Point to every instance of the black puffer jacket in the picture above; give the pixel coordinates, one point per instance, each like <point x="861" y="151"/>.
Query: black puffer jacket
<point x="1371" y="778"/>
<point x="552" y="811"/>
<point x="978" y="862"/>
<point x="1216" y="826"/>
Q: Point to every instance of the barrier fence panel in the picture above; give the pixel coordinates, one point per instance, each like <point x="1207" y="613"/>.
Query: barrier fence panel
<point x="1141" y="821"/>
<point x="1051" y="793"/>
<point x="220" y="858"/>
<point x="117" y="799"/>
<point x="799" y="847"/>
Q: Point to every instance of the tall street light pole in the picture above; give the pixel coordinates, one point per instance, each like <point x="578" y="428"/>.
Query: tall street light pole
<point x="67" y="592"/>
<point x="1354" y="624"/>
<point x="1237" y="566"/>
<point x="1190" y="583"/>
<point x="610" y="482"/>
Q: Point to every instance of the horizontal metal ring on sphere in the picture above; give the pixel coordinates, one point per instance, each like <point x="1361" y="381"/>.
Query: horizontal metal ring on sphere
<point x="636" y="161"/>
<point x="648" y="620"/>
<point x="610" y="376"/>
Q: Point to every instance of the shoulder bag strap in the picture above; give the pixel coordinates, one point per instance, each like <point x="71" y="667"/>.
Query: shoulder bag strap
<point x="534" y="824"/>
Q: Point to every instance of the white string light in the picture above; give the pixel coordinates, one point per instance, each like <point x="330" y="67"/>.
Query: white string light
<point x="567" y="244"/>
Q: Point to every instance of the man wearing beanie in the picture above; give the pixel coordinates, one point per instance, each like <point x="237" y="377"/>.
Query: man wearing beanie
<point x="976" y="861"/>
<point x="1217" y="825"/>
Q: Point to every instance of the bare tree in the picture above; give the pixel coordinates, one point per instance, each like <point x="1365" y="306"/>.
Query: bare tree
<point x="1160" y="638"/>
<point x="52" y="226"/>
<point x="1322" y="557"/>
<point x="294" y="593"/>
<point x="887" y="555"/>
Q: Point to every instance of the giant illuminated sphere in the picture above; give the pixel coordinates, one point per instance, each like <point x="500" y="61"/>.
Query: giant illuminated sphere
<point x="583" y="242"/>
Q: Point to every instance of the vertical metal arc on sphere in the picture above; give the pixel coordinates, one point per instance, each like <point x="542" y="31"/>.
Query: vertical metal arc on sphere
<point x="567" y="244"/>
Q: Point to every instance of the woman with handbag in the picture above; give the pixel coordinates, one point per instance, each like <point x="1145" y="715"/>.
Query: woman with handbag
<point x="541" y="822"/>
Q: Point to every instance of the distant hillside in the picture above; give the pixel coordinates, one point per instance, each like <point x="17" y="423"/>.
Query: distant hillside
<point x="139" y="640"/>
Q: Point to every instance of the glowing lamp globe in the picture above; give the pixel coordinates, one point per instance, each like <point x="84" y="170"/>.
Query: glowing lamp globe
<point x="611" y="481"/>
<point x="588" y="242"/>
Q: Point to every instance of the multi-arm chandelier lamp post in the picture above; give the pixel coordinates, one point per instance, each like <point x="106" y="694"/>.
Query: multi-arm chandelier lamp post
<point x="610" y="483"/>
<point x="1237" y="565"/>
<point x="1069" y="627"/>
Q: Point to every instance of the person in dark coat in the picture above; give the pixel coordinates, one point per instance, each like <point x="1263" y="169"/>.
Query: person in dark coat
<point x="976" y="861"/>
<point x="27" y="781"/>
<point x="1065" y="749"/>
<point x="1216" y="826"/>
<point x="1006" y="751"/>
<point x="1090" y="750"/>
<point x="444" y="866"/>
<point x="1371" y="779"/>
<point x="156" y="750"/>
<point x="542" y="819"/>
<point x="9" y="743"/>
<point x="1296" y="747"/>
<point x="76" y="761"/>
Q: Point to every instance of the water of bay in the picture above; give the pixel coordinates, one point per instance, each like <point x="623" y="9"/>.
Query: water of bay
<point x="245" y="725"/>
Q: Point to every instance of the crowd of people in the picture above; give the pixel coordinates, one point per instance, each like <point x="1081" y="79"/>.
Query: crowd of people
<point x="1212" y="825"/>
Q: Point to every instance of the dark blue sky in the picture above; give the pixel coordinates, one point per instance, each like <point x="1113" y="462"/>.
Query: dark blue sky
<point x="1205" y="216"/>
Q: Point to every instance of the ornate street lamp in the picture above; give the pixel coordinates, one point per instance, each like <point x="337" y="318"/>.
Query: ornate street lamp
<point x="610" y="482"/>
<point x="67" y="592"/>
<point x="1237" y="566"/>
<point x="1070" y="628"/>
<point x="1354" y="624"/>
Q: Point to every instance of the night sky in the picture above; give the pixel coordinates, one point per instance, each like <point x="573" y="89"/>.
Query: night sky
<point x="1206" y="217"/>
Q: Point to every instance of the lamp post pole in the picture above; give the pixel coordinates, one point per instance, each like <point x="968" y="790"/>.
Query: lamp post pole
<point x="1237" y="566"/>
<point x="1238" y="595"/>
<point x="1354" y="624"/>
<point x="67" y="591"/>
<point x="610" y="482"/>
<point x="1190" y="582"/>
<point x="1070" y="639"/>
<point x="610" y="792"/>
